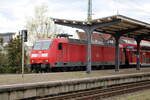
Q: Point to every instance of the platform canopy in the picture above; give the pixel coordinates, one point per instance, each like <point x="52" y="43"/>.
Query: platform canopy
<point x="115" y="25"/>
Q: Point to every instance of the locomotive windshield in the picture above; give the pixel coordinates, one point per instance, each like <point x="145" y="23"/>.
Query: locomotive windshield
<point x="42" y="45"/>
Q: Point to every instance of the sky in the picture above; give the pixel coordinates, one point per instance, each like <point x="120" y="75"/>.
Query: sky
<point x="14" y="13"/>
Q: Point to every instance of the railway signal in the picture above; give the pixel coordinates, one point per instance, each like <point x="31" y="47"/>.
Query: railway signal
<point x="24" y="34"/>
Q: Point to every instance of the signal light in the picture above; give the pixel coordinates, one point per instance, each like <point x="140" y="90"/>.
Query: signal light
<point x="25" y="35"/>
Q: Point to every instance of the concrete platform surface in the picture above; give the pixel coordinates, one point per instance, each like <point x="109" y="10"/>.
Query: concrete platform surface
<point x="8" y="79"/>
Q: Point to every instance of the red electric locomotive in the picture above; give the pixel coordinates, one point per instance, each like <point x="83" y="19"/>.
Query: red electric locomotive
<point x="64" y="52"/>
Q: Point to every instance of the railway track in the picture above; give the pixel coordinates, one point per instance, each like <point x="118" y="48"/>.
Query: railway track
<point x="97" y="94"/>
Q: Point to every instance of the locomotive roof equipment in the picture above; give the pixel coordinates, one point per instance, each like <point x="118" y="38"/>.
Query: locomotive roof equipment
<point x="63" y="35"/>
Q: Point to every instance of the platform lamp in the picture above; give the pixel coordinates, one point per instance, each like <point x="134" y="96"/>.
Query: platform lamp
<point x="24" y="39"/>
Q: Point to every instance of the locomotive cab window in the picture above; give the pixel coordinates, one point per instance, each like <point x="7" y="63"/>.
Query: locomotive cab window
<point x="60" y="46"/>
<point x="42" y="45"/>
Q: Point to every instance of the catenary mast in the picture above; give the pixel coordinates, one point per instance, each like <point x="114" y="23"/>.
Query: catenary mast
<point x="89" y="37"/>
<point x="89" y="16"/>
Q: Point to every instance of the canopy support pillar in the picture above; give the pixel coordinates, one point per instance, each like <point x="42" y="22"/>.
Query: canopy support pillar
<point x="138" y="54"/>
<point x="117" y="53"/>
<point x="89" y="32"/>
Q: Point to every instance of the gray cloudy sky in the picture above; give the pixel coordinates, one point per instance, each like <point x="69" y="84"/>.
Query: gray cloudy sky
<point x="13" y="13"/>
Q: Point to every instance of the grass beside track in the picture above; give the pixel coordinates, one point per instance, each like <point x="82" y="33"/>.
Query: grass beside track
<point x="7" y="79"/>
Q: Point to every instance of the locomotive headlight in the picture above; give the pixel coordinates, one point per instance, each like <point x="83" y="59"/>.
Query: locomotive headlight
<point x="33" y="60"/>
<point x="45" y="60"/>
<point x="34" y="55"/>
<point x="45" y="55"/>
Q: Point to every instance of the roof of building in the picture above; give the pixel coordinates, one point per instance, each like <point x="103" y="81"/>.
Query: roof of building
<point x="7" y="33"/>
<point x="96" y="36"/>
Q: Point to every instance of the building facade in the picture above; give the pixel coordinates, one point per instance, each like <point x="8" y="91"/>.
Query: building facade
<point x="6" y="37"/>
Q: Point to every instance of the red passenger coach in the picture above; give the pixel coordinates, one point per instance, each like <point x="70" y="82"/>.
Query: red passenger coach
<point x="131" y="53"/>
<point x="71" y="53"/>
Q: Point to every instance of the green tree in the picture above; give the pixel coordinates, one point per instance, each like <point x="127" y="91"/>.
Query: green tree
<point x="1" y="41"/>
<point x="3" y="62"/>
<point x="15" y="55"/>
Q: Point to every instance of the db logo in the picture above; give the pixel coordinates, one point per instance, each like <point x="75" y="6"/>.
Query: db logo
<point x="40" y="51"/>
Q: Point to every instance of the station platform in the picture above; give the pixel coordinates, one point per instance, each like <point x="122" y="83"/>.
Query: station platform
<point x="15" y="87"/>
<point x="10" y="79"/>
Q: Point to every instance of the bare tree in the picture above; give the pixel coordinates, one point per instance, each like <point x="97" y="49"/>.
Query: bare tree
<point x="41" y="25"/>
